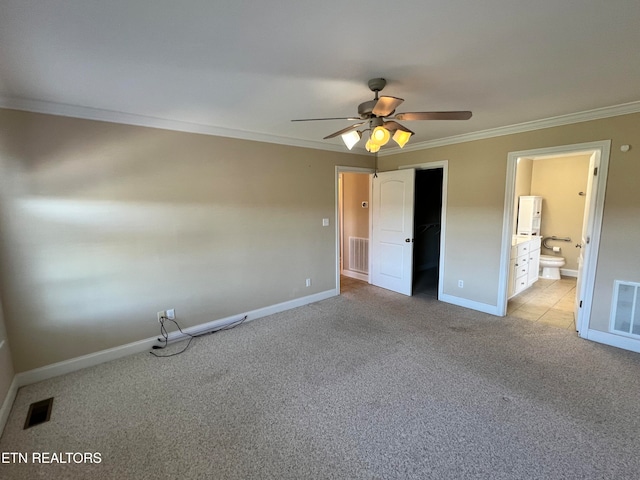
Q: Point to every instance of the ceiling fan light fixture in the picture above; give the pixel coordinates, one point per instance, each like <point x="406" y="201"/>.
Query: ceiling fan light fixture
<point x="351" y="138"/>
<point x="380" y="136"/>
<point x="371" y="147"/>
<point x="401" y="137"/>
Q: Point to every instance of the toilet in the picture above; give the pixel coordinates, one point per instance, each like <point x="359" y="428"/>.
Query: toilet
<point x="551" y="266"/>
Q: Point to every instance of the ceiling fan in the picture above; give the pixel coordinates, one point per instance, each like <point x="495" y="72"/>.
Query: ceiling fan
<point x="377" y="116"/>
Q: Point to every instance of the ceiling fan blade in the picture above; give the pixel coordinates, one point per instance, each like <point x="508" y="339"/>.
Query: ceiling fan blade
<point x="393" y="126"/>
<point x="386" y="106"/>
<point x="433" y="116"/>
<point x="330" y="118"/>
<point x="344" y="130"/>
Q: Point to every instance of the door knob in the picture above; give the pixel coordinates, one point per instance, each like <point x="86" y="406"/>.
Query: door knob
<point x="408" y="240"/>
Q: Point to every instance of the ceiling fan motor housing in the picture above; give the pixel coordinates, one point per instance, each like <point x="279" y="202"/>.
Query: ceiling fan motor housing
<point x="377" y="84"/>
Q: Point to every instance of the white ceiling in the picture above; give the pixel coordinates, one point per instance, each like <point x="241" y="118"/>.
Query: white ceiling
<point x="246" y="68"/>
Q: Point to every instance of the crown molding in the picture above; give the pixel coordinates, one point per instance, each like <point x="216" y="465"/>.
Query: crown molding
<point x="596" y="114"/>
<point x="89" y="113"/>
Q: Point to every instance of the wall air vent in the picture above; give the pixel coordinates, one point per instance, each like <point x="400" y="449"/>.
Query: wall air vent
<point x="625" y="310"/>
<point x="359" y="254"/>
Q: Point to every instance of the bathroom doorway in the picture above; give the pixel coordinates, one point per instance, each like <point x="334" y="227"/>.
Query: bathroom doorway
<point x="571" y="180"/>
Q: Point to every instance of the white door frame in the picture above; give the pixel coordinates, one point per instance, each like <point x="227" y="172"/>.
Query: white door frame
<point x="339" y="170"/>
<point x="444" y="165"/>
<point x="604" y="146"/>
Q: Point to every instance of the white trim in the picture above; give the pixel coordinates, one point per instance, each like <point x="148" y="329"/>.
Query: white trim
<point x="8" y="403"/>
<point x="89" y="113"/>
<point x="73" y="364"/>
<point x="99" y="114"/>
<point x="444" y="165"/>
<point x="339" y="170"/>
<point x="357" y="275"/>
<point x="471" y="304"/>
<point x="586" y="116"/>
<point x="507" y="235"/>
<point x="613" y="340"/>
<point x="567" y="272"/>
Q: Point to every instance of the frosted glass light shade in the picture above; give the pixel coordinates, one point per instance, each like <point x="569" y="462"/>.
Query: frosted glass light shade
<point x="371" y="147"/>
<point x="351" y="138"/>
<point x="380" y="136"/>
<point x="401" y="137"/>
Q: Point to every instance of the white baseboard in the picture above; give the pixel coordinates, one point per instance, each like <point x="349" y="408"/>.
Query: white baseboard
<point x="358" y="276"/>
<point x="73" y="364"/>
<point x="463" y="302"/>
<point x="8" y="403"/>
<point x="77" y="363"/>
<point x="619" y="341"/>
<point x="565" y="272"/>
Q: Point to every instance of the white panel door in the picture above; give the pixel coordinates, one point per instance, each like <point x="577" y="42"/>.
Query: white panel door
<point x="392" y="231"/>
<point x="585" y="238"/>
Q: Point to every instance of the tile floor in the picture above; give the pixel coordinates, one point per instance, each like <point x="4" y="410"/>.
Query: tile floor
<point x="546" y="301"/>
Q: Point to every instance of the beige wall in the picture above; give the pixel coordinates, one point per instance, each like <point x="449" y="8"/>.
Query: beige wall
<point x="7" y="371"/>
<point x="558" y="181"/>
<point x="355" y="188"/>
<point x="6" y="363"/>
<point x="476" y="189"/>
<point x="105" y="224"/>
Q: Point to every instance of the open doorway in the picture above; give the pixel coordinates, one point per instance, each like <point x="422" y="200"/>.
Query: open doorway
<point x="354" y="220"/>
<point x="559" y="184"/>
<point x="570" y="182"/>
<point x="417" y="266"/>
<point x="427" y="231"/>
<point x="427" y="226"/>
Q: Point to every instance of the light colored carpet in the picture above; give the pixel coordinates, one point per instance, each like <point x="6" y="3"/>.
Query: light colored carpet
<point x="368" y="385"/>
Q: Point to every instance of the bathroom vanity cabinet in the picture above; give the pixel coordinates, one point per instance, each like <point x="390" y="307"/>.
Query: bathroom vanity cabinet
<point x="524" y="263"/>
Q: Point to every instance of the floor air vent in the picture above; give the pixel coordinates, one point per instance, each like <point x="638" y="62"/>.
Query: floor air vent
<point x="39" y="412"/>
<point x="625" y="312"/>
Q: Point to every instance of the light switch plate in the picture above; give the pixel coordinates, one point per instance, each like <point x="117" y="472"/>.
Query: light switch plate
<point x="325" y="222"/>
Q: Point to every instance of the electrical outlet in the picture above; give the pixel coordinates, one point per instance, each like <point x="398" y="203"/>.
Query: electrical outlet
<point x="161" y="315"/>
<point x="171" y="313"/>
<point x="308" y="282"/>
<point x="460" y="283"/>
